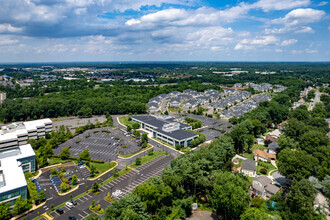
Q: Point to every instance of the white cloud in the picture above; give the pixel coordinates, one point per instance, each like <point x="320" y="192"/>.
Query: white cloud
<point x="80" y="11"/>
<point x="307" y="30"/>
<point x="322" y="3"/>
<point x="268" y="5"/>
<point x="8" y="28"/>
<point x="300" y="16"/>
<point x="278" y="50"/>
<point x="288" y="42"/>
<point x="258" y="42"/>
<point x="132" y="22"/>
<point x="297" y="51"/>
<point x="6" y="40"/>
<point x="311" y="51"/>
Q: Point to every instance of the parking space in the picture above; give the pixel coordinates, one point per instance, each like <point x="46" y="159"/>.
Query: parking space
<point x="56" y="181"/>
<point x="102" y="144"/>
<point x="36" y="182"/>
<point x="212" y="128"/>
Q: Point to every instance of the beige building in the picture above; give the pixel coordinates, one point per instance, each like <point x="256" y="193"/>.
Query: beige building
<point x="2" y="97"/>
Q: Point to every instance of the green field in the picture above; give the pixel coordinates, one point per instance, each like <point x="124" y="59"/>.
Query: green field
<point x="147" y="158"/>
<point x="124" y="120"/>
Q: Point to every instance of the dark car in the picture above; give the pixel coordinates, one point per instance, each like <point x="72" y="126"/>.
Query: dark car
<point x="74" y="202"/>
<point x="59" y="211"/>
<point x="72" y="217"/>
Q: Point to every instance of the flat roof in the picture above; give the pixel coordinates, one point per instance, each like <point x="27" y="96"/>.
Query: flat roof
<point x="179" y="134"/>
<point x="12" y="171"/>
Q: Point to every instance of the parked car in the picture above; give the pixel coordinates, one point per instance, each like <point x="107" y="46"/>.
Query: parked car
<point x="59" y="211"/>
<point x="69" y="205"/>
<point x="80" y="163"/>
<point x="117" y="193"/>
<point x="71" y="217"/>
<point x="74" y="202"/>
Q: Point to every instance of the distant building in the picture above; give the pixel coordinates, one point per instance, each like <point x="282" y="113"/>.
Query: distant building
<point x="166" y="129"/>
<point x="3" y="97"/>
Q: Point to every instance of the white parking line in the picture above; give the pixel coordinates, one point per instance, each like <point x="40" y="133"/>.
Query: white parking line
<point x="81" y="216"/>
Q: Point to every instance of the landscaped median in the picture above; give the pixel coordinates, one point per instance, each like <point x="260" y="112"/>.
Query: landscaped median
<point x="125" y="156"/>
<point x="147" y="158"/>
<point x="100" y="167"/>
<point x="125" y="120"/>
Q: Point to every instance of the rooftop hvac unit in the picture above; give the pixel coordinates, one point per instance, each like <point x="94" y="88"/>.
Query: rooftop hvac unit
<point x="174" y="126"/>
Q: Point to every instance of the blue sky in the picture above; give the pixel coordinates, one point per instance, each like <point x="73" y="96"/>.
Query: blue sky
<point x="159" y="30"/>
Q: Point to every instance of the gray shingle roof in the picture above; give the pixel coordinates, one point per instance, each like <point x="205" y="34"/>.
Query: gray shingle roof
<point x="248" y="165"/>
<point x="273" y="146"/>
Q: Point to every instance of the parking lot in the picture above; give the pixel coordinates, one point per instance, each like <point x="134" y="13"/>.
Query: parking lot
<point x="125" y="184"/>
<point x="73" y="122"/>
<point x="213" y="128"/>
<point x="51" y="184"/>
<point x="102" y="144"/>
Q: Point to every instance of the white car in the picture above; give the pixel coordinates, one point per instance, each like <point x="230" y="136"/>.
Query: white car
<point x="69" y="205"/>
<point x="117" y="193"/>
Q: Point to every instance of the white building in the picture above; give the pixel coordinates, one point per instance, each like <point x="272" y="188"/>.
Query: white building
<point x="2" y="97"/>
<point x="17" y="134"/>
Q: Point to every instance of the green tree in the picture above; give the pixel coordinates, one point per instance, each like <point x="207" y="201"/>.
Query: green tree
<point x="95" y="187"/>
<point x="131" y="201"/>
<point x="138" y="161"/>
<point x="230" y="195"/>
<point x="296" y="164"/>
<point x="92" y="170"/>
<point x="128" y="128"/>
<point x="144" y="138"/>
<point x="74" y="179"/>
<point x="300" y="200"/>
<point x="64" y="186"/>
<point x="21" y="205"/>
<point x="287" y="142"/>
<point x="65" y="153"/>
<point x="312" y="140"/>
<point x="136" y="133"/>
<point x="255" y="214"/>
<point x="154" y="194"/>
<point x="42" y="194"/>
<point x="4" y="210"/>
<point x="85" y="155"/>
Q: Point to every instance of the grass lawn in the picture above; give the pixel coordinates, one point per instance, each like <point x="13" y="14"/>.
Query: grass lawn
<point x="174" y="109"/>
<point x="147" y="158"/>
<point x="248" y="156"/>
<point x="124" y="120"/>
<point x="100" y="167"/>
<point x="259" y="147"/>
<point x="268" y="166"/>
<point x="129" y="155"/>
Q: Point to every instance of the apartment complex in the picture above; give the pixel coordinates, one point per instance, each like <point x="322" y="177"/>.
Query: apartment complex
<point x="166" y="129"/>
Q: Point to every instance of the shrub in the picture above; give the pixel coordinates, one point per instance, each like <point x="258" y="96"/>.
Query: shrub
<point x="124" y="146"/>
<point x="263" y="170"/>
<point x="138" y="161"/>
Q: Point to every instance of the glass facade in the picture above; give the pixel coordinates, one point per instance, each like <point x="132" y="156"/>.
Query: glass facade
<point x="28" y="160"/>
<point x="8" y="196"/>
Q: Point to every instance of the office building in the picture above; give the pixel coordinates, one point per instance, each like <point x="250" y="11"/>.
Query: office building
<point x="166" y="129"/>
